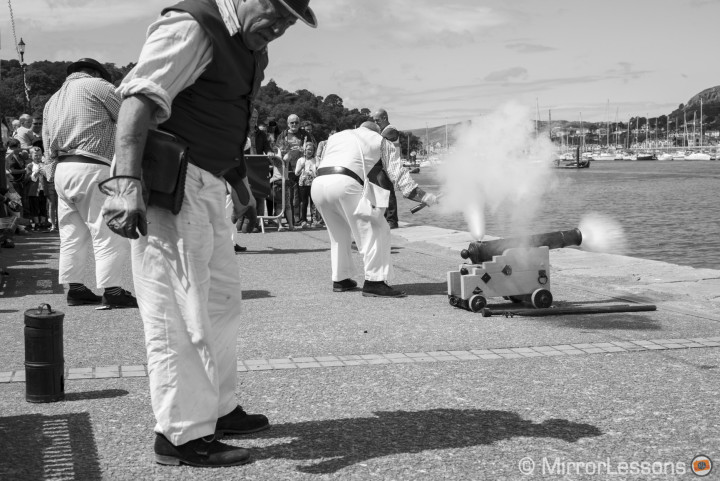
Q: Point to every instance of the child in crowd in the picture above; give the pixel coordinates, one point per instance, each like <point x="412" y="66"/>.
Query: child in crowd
<point x="306" y="170"/>
<point x="36" y="190"/>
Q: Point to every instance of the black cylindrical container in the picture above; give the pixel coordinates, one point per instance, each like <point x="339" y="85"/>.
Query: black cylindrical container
<point x="44" y="360"/>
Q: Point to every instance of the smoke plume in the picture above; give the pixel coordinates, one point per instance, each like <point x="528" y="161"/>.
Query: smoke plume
<point x="497" y="161"/>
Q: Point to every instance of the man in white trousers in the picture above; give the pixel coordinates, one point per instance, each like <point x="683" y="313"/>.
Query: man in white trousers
<point x="202" y="64"/>
<point x="351" y="159"/>
<point x="79" y="131"/>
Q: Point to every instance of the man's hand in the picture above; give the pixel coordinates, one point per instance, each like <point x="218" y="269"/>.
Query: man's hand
<point x="124" y="209"/>
<point x="240" y="209"/>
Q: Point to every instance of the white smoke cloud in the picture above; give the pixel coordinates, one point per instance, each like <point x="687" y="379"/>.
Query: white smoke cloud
<point x="602" y="234"/>
<point x="498" y="161"/>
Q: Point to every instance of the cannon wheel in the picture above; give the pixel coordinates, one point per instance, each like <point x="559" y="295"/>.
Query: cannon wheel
<point x="477" y="302"/>
<point x="541" y="299"/>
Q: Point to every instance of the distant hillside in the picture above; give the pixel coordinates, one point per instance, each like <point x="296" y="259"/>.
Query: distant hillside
<point x="710" y="108"/>
<point x="437" y="134"/>
<point x="710" y="112"/>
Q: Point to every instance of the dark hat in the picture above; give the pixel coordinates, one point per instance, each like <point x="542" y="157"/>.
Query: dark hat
<point x="301" y="9"/>
<point x="89" y="63"/>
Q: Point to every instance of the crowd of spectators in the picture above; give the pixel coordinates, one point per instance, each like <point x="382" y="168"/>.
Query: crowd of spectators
<point x="28" y="202"/>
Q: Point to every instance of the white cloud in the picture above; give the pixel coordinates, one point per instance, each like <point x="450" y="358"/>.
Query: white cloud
<point x="64" y="15"/>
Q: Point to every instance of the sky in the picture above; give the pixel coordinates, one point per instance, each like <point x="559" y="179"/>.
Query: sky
<point x="430" y="62"/>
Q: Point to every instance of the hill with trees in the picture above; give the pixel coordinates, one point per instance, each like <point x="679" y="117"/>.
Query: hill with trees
<point x="273" y="102"/>
<point x="328" y="113"/>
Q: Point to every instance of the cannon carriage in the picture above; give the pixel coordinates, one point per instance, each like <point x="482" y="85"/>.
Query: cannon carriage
<point x="517" y="269"/>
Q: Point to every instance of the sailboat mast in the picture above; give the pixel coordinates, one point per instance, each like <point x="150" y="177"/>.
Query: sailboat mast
<point x="607" y="120"/>
<point x="701" y="121"/>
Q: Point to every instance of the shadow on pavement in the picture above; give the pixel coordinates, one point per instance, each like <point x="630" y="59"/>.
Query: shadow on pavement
<point x="89" y="395"/>
<point x="423" y="289"/>
<point x="628" y="322"/>
<point x="35" y="446"/>
<point x="344" y="442"/>
<point x="29" y="274"/>
<point x="256" y="294"/>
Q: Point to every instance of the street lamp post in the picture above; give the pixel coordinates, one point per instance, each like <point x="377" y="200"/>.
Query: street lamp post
<point x="21" y="50"/>
<point x="26" y="98"/>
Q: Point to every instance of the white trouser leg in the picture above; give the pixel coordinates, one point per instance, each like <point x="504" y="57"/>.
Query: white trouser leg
<point x="190" y="299"/>
<point x="82" y="226"/>
<point x="334" y="195"/>
<point x="337" y="197"/>
<point x="373" y="239"/>
<point x="229" y="207"/>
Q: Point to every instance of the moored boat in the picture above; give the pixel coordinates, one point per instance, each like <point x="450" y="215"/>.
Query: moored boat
<point x="697" y="156"/>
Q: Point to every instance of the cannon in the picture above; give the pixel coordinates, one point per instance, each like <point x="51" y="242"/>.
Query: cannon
<point x="516" y="268"/>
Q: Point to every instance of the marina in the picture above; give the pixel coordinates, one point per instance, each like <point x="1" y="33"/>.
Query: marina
<point x="668" y="210"/>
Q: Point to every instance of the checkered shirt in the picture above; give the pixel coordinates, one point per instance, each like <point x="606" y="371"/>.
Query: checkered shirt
<point x="394" y="167"/>
<point x="81" y="118"/>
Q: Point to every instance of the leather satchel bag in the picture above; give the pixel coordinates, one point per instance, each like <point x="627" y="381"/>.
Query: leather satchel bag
<point x="164" y="168"/>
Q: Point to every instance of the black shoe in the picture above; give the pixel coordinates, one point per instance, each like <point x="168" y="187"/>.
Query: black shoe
<point x="393" y="225"/>
<point x="82" y="297"/>
<point x="124" y="299"/>
<point x="240" y="422"/>
<point x="344" y="285"/>
<point x="380" y="289"/>
<point x="240" y="248"/>
<point x="205" y="452"/>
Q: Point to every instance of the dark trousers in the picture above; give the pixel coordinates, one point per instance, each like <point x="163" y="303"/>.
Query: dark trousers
<point x="21" y="189"/>
<point x="305" y="203"/>
<point x="391" y="214"/>
<point x="294" y="189"/>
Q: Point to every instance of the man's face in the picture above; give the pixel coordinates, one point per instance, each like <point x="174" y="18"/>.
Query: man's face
<point x="293" y="124"/>
<point x="253" y="118"/>
<point x="262" y="21"/>
<point x="380" y="120"/>
<point x="37" y="125"/>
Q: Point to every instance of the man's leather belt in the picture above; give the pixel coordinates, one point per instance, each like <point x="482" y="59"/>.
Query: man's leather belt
<point x="82" y="159"/>
<point x="339" y="170"/>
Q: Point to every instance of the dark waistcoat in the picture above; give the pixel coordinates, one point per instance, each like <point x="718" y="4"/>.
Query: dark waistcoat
<point x="211" y="116"/>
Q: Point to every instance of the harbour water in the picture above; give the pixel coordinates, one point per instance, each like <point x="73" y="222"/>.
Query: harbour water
<point x="669" y="211"/>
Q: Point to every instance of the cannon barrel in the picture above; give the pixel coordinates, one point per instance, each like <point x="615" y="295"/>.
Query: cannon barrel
<point x="481" y="251"/>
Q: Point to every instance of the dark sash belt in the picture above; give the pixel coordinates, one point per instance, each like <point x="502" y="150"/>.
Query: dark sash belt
<point x="82" y="159"/>
<point x="339" y="170"/>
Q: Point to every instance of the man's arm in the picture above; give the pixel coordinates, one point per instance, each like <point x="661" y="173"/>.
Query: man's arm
<point x="400" y="175"/>
<point x="133" y="125"/>
<point x="124" y="209"/>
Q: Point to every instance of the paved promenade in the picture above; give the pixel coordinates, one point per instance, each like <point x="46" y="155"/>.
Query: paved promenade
<point x="398" y="389"/>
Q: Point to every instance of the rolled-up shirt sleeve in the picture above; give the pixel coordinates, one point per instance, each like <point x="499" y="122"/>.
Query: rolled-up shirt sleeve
<point x="394" y="167"/>
<point x="176" y="51"/>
